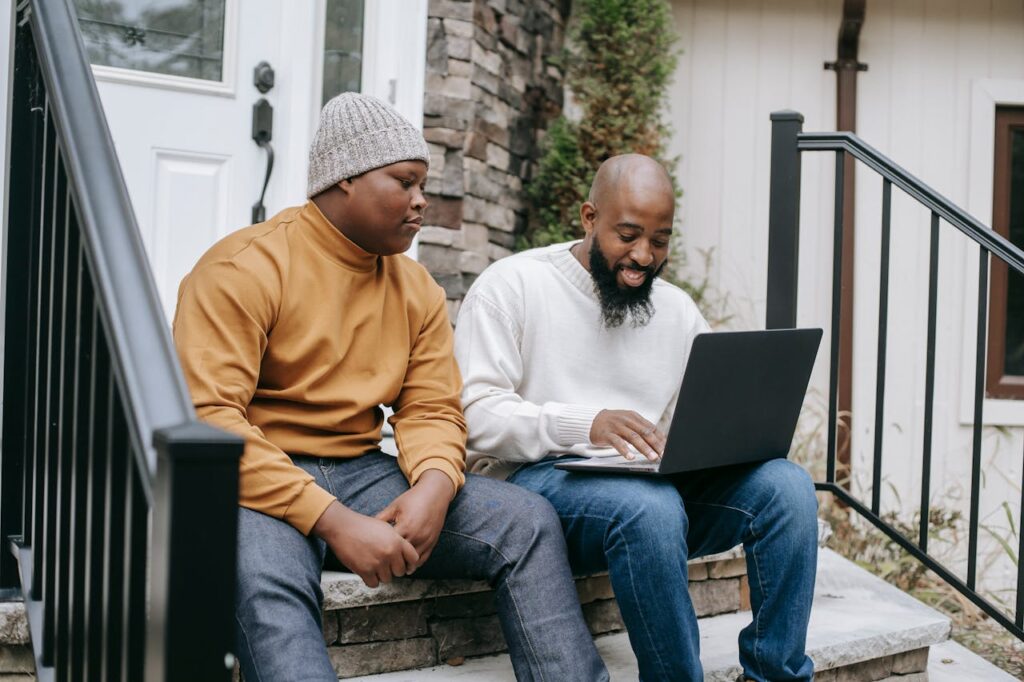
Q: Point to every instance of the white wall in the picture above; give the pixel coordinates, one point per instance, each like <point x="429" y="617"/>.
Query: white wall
<point x="926" y="101"/>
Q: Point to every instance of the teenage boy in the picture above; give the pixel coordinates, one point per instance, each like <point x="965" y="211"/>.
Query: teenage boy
<point x="579" y="345"/>
<point x="293" y="333"/>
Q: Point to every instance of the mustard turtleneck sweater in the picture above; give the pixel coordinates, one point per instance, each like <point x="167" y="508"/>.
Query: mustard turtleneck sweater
<point x="292" y="336"/>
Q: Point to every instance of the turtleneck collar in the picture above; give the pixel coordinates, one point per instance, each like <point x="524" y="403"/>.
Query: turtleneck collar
<point x="573" y="270"/>
<point x="333" y="244"/>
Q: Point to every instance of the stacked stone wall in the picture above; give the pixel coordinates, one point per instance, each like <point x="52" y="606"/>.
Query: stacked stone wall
<point x="490" y="93"/>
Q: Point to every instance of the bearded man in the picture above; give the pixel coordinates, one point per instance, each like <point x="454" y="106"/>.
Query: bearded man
<point x="578" y="347"/>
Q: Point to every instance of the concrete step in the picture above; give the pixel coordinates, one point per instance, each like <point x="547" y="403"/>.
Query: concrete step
<point x="861" y="628"/>
<point x="951" y="662"/>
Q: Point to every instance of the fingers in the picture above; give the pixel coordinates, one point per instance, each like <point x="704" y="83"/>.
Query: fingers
<point x="639" y="442"/>
<point x="370" y="579"/>
<point x="620" y="445"/>
<point x="410" y="556"/>
<point x="388" y="513"/>
<point x="653" y="439"/>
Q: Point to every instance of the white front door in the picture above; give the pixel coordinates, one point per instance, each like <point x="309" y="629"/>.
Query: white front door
<point x="176" y="78"/>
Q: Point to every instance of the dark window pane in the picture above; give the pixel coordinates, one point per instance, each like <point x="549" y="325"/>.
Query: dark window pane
<point x="343" y="47"/>
<point x="1015" y="284"/>
<point x="174" y="37"/>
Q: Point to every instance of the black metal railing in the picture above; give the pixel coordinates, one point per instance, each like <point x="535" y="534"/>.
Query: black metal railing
<point x="119" y="508"/>
<point x="788" y="142"/>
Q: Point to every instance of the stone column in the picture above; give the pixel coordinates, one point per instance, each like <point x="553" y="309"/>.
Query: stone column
<point x="490" y="92"/>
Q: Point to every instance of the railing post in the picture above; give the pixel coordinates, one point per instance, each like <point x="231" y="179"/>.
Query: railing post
<point x="191" y="633"/>
<point x="17" y="142"/>
<point x="784" y="220"/>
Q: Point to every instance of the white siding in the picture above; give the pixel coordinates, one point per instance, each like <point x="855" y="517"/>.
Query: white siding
<point x="742" y="60"/>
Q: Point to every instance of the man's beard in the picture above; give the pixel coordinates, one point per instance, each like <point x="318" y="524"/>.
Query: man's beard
<point x="619" y="303"/>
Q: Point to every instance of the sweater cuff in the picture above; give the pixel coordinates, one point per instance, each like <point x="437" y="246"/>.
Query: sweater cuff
<point x="444" y="466"/>
<point x="307" y="507"/>
<point x="573" y="423"/>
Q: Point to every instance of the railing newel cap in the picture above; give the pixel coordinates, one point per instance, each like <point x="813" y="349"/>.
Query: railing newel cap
<point x="787" y="115"/>
<point x="199" y="438"/>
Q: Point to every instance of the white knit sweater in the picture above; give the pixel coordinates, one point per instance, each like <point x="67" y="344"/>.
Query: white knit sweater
<point x="538" y="364"/>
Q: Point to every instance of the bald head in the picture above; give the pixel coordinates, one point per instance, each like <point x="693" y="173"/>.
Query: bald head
<point x="631" y="173"/>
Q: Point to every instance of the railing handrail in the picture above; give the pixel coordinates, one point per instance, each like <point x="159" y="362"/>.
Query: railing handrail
<point x="848" y="142"/>
<point x="144" y="358"/>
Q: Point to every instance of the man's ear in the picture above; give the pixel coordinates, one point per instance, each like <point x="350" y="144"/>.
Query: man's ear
<point x="588" y="213"/>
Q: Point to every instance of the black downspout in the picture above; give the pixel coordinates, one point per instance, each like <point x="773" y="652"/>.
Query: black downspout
<point x="846" y="67"/>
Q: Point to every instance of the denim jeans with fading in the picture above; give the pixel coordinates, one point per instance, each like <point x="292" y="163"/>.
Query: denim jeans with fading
<point x="643" y="529"/>
<point x="494" y="531"/>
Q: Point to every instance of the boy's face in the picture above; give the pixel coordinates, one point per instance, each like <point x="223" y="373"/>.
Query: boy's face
<point x="384" y="208"/>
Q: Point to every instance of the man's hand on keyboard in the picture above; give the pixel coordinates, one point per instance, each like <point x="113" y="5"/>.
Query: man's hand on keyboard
<point x="624" y="428"/>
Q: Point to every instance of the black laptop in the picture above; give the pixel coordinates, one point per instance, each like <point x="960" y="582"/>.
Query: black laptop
<point x="739" y="402"/>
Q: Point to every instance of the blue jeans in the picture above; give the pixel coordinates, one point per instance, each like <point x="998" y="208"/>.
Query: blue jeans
<point x="643" y="529"/>
<point x="493" y="531"/>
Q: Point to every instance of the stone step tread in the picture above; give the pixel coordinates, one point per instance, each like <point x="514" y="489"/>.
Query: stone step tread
<point x="953" y="662"/>
<point x="346" y="590"/>
<point x="855" y="617"/>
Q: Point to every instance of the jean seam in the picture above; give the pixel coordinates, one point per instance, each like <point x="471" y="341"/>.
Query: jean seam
<point x="324" y="469"/>
<point x="252" y="656"/>
<point x="757" y="618"/>
<point x="522" y="625"/>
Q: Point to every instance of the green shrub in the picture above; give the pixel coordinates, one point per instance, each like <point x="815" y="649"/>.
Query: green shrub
<point x="618" y="68"/>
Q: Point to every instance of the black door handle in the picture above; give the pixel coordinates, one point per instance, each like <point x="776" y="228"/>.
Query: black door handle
<point x="262" y="133"/>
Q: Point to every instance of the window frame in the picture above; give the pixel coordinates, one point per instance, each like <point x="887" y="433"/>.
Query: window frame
<point x="998" y="384"/>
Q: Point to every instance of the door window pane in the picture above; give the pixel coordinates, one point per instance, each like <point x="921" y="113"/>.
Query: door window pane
<point x="1015" y="283"/>
<point x="173" y="37"/>
<point x="343" y="47"/>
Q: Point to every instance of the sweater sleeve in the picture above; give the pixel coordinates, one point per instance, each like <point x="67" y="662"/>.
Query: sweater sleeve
<point x="221" y="328"/>
<point x="430" y="431"/>
<point x="501" y="423"/>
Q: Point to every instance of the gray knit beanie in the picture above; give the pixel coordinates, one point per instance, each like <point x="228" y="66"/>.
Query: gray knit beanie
<point x="358" y="133"/>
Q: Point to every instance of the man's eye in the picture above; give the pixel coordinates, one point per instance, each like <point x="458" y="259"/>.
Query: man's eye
<point x="626" y="237"/>
<point x="406" y="183"/>
<point x="660" y="245"/>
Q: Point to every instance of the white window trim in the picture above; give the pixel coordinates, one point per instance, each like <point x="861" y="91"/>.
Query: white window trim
<point x="229" y="66"/>
<point x="986" y="95"/>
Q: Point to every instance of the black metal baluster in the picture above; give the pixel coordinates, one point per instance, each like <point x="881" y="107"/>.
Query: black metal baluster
<point x="54" y="407"/>
<point x="70" y="392"/>
<point x="135" y="569"/>
<point x="103" y="418"/>
<point x="113" y="555"/>
<point x="837" y="291"/>
<point x="67" y="439"/>
<point x="979" y="398"/>
<point x="41" y="430"/>
<point x="929" y="383"/>
<point x="84" y="417"/>
<point x="883" y="321"/>
<point x="1019" y="620"/>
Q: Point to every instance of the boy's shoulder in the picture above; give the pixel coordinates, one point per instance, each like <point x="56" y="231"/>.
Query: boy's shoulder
<point x="254" y="245"/>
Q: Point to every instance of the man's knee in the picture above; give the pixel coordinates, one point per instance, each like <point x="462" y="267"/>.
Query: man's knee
<point x="654" y="511"/>
<point x="793" y="492"/>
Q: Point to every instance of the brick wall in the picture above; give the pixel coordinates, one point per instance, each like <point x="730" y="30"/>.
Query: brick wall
<point x="490" y="92"/>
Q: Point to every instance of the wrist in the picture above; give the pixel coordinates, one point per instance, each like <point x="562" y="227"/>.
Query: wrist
<point x="437" y="483"/>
